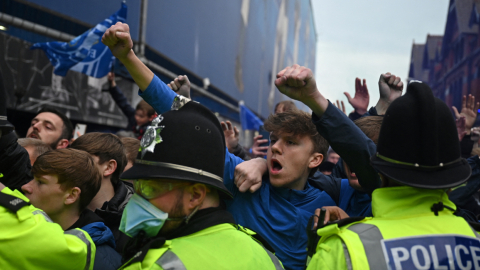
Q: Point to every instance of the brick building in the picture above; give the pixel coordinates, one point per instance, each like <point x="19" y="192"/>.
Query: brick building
<point x="450" y="64"/>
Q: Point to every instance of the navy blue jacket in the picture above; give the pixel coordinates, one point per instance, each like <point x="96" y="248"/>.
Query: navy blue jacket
<point x="106" y="258"/>
<point x="356" y="148"/>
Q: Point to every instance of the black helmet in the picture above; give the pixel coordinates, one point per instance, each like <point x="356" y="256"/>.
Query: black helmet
<point x="418" y="142"/>
<point x="185" y="144"/>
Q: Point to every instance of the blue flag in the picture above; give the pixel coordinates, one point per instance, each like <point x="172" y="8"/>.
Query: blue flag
<point x="85" y="53"/>
<point x="248" y="119"/>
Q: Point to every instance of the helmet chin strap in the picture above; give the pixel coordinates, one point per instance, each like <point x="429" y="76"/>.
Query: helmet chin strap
<point x="437" y="207"/>
<point x="188" y="217"/>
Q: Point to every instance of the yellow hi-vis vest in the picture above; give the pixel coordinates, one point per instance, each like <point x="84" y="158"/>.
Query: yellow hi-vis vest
<point x="403" y="234"/>
<point x="218" y="247"/>
<point x="30" y="240"/>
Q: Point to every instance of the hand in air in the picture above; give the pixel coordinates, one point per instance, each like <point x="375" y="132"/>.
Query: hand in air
<point x="297" y="83"/>
<point x="232" y="136"/>
<point x="118" y="40"/>
<point x="181" y="85"/>
<point x="361" y="99"/>
<point x="469" y="111"/>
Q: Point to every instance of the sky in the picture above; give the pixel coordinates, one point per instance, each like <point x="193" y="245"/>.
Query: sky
<point x="366" y="38"/>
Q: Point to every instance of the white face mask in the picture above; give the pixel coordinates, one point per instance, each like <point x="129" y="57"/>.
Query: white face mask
<point x="141" y="215"/>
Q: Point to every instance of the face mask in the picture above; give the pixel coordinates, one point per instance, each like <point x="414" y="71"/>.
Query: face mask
<point x="141" y="215"/>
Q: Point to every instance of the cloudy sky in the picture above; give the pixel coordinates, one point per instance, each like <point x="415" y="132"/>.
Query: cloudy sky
<point x="366" y="38"/>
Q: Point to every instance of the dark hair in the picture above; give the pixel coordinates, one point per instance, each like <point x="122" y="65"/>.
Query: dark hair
<point x="67" y="130"/>
<point x="131" y="148"/>
<point x="105" y="146"/>
<point x="370" y="125"/>
<point x="288" y="105"/>
<point x="144" y="106"/>
<point x="74" y="168"/>
<point x="297" y="122"/>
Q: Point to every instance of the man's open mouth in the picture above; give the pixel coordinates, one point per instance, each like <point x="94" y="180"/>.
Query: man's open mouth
<point x="34" y="136"/>
<point x="275" y="166"/>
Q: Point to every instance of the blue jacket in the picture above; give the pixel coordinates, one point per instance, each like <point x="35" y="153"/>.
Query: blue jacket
<point x="106" y="257"/>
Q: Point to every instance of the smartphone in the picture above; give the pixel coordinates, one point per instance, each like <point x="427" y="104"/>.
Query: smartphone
<point x="265" y="135"/>
<point x="79" y="130"/>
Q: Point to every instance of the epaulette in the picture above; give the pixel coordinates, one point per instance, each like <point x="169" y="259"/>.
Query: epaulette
<point x="264" y="242"/>
<point x="140" y="255"/>
<point x="345" y="221"/>
<point x="313" y="237"/>
<point x="12" y="203"/>
<point x="256" y="236"/>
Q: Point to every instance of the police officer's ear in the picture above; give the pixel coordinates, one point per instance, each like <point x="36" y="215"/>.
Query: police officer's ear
<point x="196" y="195"/>
<point x="73" y="196"/>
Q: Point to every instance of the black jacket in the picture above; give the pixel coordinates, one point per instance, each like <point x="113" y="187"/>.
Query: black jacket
<point x="129" y="112"/>
<point x="111" y="212"/>
<point x="14" y="162"/>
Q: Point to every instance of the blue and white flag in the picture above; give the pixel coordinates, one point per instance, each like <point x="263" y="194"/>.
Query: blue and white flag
<point x="248" y="119"/>
<point x="85" y="53"/>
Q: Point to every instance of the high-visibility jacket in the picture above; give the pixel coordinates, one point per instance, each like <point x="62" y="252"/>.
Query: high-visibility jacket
<point x="30" y="240"/>
<point x="404" y="233"/>
<point x="222" y="246"/>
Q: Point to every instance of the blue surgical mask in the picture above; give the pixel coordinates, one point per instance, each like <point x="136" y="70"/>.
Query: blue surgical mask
<point x="141" y="215"/>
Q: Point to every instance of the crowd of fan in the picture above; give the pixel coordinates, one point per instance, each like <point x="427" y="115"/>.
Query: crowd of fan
<point x="313" y="162"/>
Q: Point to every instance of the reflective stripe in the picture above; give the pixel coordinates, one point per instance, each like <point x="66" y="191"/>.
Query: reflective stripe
<point x="475" y="232"/>
<point x="371" y="236"/>
<point x="170" y="261"/>
<point x="40" y="212"/>
<point x="82" y="237"/>
<point x="276" y="262"/>
<point x="347" y="256"/>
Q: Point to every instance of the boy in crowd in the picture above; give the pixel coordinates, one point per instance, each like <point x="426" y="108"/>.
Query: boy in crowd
<point x="65" y="181"/>
<point x="138" y="118"/>
<point x="109" y="154"/>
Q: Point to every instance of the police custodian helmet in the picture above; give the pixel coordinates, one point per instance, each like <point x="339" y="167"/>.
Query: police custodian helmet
<point x="184" y="144"/>
<point x="418" y="143"/>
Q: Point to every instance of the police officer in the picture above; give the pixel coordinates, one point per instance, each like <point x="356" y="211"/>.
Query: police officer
<point x="418" y="158"/>
<point x="28" y="238"/>
<point x="176" y="217"/>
